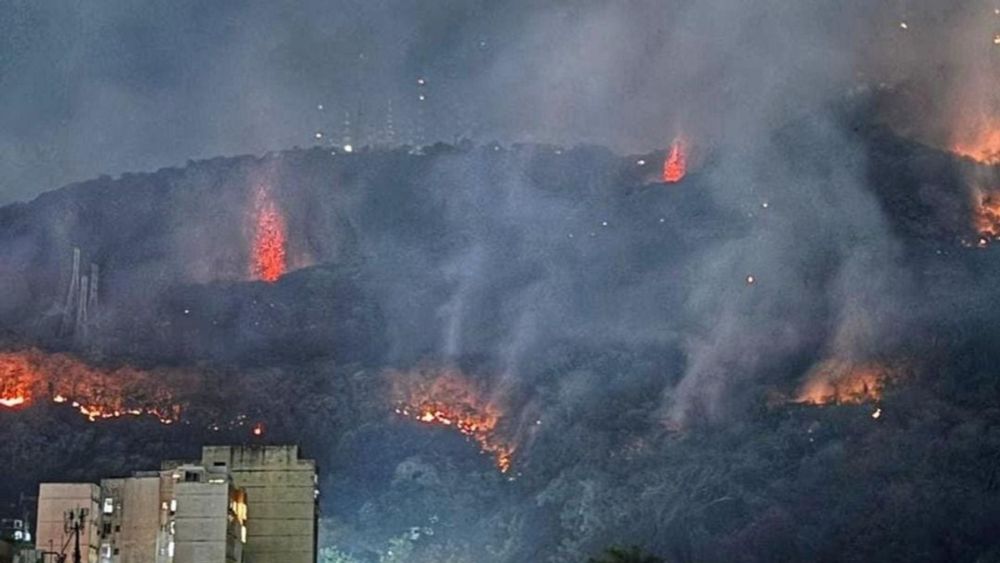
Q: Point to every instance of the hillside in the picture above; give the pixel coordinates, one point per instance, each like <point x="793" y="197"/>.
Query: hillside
<point x="789" y="354"/>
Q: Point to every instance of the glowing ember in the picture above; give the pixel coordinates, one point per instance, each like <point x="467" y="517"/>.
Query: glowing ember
<point x="449" y="398"/>
<point x="841" y="382"/>
<point x="97" y="394"/>
<point x="269" y="239"/>
<point x="258" y="429"/>
<point x="675" y="165"/>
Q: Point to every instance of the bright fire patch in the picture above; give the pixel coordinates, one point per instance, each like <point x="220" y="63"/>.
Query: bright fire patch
<point x="11" y="401"/>
<point x="986" y="217"/>
<point x="30" y="374"/>
<point x="675" y="165"/>
<point x="843" y="382"/>
<point x="450" y="399"/>
<point x="984" y="147"/>
<point x="269" y="254"/>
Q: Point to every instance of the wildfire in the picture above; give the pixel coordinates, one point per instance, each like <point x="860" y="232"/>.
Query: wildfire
<point x="269" y="260"/>
<point x="11" y="402"/>
<point x="842" y="382"/>
<point x="14" y="385"/>
<point x="984" y="147"/>
<point x="675" y="165"/>
<point x="30" y="374"/>
<point x="986" y="217"/>
<point x="449" y="398"/>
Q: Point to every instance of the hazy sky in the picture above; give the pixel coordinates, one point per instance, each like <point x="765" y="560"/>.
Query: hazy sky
<point x="104" y="87"/>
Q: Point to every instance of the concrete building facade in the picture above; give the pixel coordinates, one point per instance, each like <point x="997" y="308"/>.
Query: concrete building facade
<point x="132" y="520"/>
<point x="281" y="491"/>
<point x="54" y="500"/>
<point x="238" y="504"/>
<point x="207" y="516"/>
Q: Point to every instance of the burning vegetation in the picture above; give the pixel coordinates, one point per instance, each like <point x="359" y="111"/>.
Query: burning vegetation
<point x="675" y="165"/>
<point x="984" y="147"/>
<point x="451" y="399"/>
<point x="269" y="240"/>
<point x="30" y="375"/>
<point x="986" y="217"/>
<point x="843" y="382"/>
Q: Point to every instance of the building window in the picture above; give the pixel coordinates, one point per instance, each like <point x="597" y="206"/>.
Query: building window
<point x="109" y="505"/>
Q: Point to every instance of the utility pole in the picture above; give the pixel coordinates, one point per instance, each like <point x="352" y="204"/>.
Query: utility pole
<point x="73" y="523"/>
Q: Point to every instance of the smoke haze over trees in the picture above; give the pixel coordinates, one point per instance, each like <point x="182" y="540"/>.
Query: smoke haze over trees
<point x="645" y="383"/>
<point x="105" y="88"/>
<point x="519" y="344"/>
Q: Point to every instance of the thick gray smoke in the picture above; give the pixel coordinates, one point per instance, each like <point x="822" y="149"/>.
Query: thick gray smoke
<point x="93" y="89"/>
<point x="603" y="305"/>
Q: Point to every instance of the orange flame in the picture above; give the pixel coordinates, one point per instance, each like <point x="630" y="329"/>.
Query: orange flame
<point x="983" y="147"/>
<point x="16" y="381"/>
<point x="843" y="382"/>
<point x="986" y="217"/>
<point x="29" y="374"/>
<point x="675" y="165"/>
<point x="449" y="398"/>
<point x="258" y="429"/>
<point x="269" y="262"/>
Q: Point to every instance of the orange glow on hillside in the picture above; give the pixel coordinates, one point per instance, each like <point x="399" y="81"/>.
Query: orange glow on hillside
<point x="986" y="217"/>
<point x="675" y="165"/>
<point x="31" y="375"/>
<point x="842" y="382"/>
<point x="450" y="399"/>
<point x="269" y="253"/>
<point x="983" y="147"/>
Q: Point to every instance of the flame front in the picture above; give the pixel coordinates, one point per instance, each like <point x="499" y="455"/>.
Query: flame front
<point x="983" y="146"/>
<point x="15" y="383"/>
<point x="269" y="260"/>
<point x="29" y="375"/>
<point x="843" y="382"/>
<point x="450" y="399"/>
<point x="675" y="165"/>
<point x="11" y="401"/>
<point x="986" y="217"/>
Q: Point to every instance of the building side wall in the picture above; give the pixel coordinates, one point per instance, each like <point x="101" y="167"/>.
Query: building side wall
<point x="140" y="520"/>
<point x="54" y="499"/>
<point x="201" y="522"/>
<point x="281" y="500"/>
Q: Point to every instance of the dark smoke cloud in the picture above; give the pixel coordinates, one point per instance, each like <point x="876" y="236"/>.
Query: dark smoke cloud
<point x="110" y="87"/>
